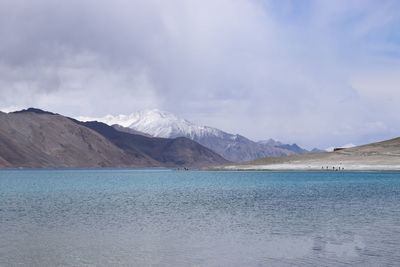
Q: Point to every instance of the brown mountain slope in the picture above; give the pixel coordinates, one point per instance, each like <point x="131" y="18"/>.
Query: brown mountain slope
<point x="383" y="155"/>
<point x="32" y="139"/>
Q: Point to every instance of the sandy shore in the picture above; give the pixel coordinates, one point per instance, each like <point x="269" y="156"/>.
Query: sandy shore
<point x="311" y="167"/>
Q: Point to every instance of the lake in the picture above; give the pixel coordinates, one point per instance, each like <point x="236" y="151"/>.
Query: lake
<point x="117" y="217"/>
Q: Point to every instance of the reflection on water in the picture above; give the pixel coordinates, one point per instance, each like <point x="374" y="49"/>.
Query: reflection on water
<point x="167" y="218"/>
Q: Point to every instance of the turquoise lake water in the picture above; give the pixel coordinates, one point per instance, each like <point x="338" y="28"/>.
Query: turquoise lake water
<point x="185" y="218"/>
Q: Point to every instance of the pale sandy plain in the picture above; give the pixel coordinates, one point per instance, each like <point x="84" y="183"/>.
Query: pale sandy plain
<point x="380" y="156"/>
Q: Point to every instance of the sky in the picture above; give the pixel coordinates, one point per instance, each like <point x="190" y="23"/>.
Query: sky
<point x="319" y="73"/>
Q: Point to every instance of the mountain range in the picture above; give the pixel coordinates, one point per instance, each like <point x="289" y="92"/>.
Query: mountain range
<point x="35" y="138"/>
<point x="233" y="147"/>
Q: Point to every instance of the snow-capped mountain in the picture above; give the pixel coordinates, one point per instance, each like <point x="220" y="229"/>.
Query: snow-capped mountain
<point x="159" y="123"/>
<point x="164" y="124"/>
<point x="233" y="147"/>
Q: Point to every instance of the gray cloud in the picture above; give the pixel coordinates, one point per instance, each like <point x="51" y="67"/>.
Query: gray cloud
<point x="321" y="73"/>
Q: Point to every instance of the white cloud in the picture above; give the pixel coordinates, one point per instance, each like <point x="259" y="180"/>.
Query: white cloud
<point x="318" y="73"/>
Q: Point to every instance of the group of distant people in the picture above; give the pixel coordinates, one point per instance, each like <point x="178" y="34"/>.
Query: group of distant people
<point x="182" y="169"/>
<point x="333" y="168"/>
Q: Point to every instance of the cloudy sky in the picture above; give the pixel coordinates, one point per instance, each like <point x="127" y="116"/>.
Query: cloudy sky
<point x="319" y="73"/>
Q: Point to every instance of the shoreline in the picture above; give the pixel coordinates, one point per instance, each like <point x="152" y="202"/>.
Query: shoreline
<point x="314" y="168"/>
<point x="229" y="168"/>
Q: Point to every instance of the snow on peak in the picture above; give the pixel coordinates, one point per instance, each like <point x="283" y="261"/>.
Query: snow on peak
<point x="165" y="124"/>
<point x="158" y="123"/>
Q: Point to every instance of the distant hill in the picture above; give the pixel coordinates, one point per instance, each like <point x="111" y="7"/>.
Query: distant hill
<point x="169" y="152"/>
<point x="37" y="138"/>
<point x="128" y="130"/>
<point x="233" y="147"/>
<point x="34" y="110"/>
<point x="383" y="155"/>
